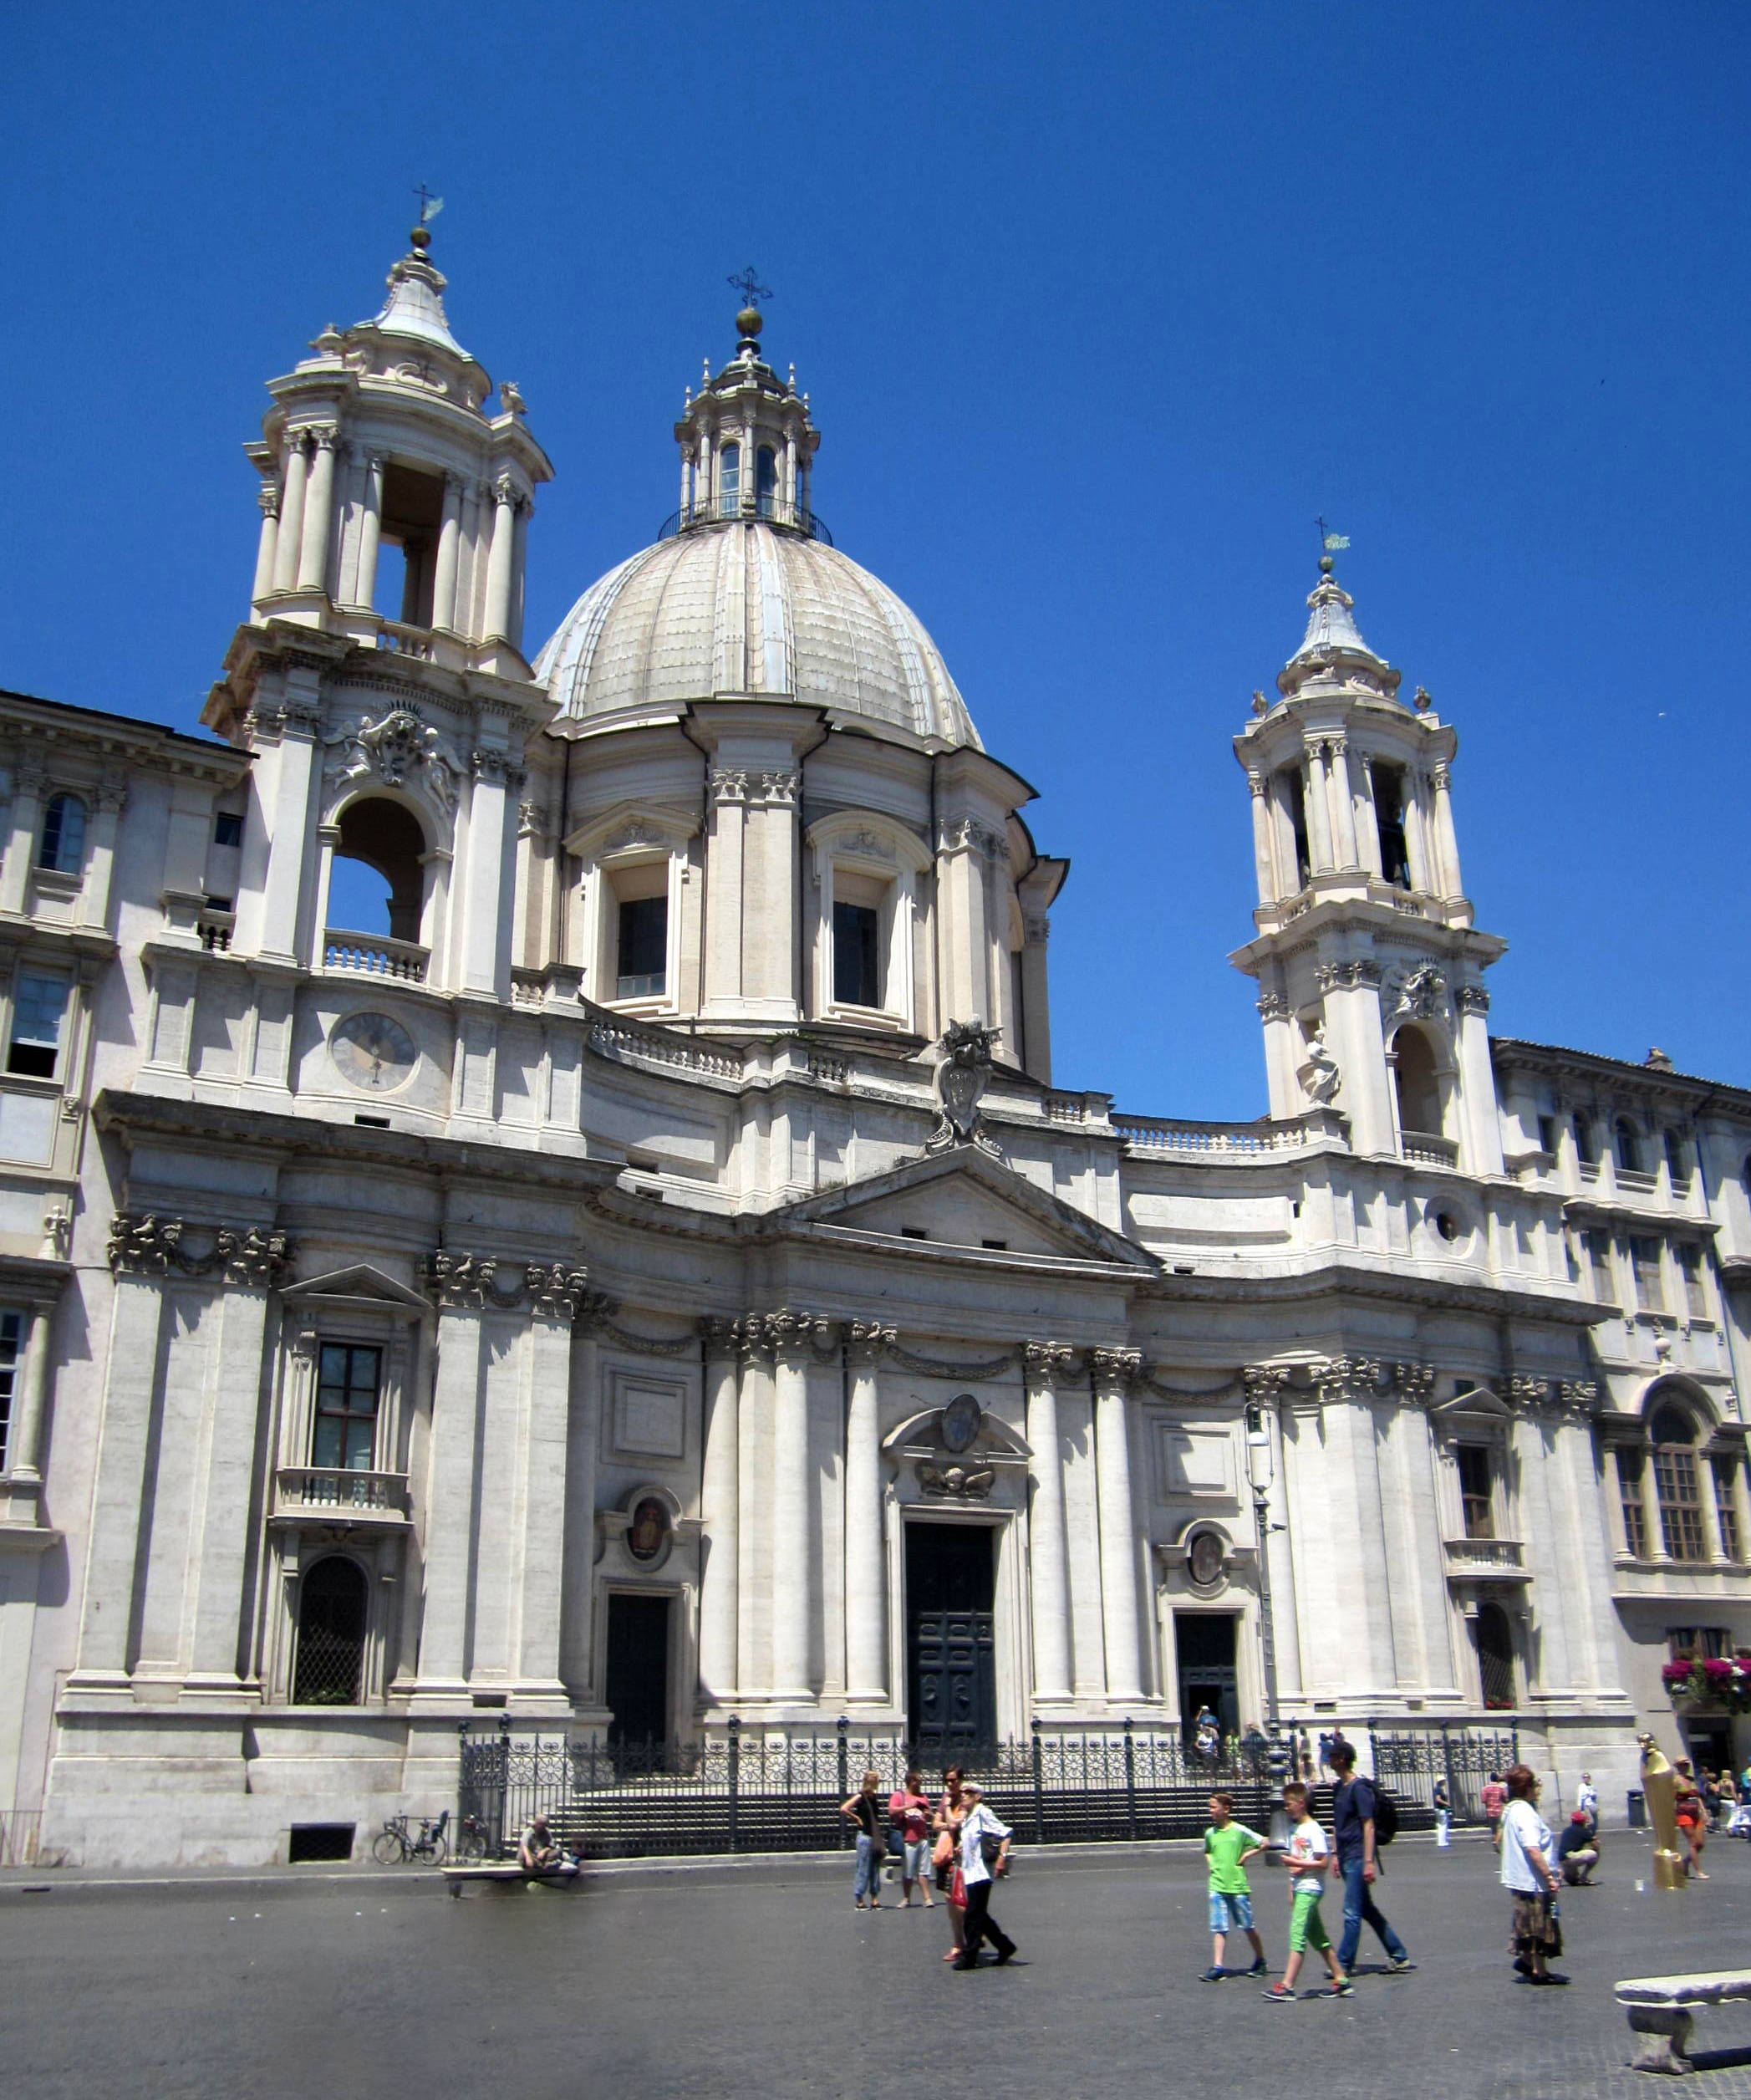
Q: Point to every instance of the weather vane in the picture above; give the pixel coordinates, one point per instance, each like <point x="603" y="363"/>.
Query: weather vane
<point x="1331" y="543"/>
<point x="430" y="206"/>
<point x="748" y="284"/>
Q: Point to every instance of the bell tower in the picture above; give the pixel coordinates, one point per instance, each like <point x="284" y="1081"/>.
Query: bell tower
<point x="1370" y="970"/>
<point x="394" y="503"/>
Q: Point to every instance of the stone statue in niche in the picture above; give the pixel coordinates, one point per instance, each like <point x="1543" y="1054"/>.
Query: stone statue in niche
<point x="648" y="1534"/>
<point x="1320" y="1074"/>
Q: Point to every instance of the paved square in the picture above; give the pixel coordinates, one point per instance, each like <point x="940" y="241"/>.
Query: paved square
<point x="758" y="1979"/>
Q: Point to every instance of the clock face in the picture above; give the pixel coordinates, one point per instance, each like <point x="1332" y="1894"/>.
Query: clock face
<point x="373" y="1051"/>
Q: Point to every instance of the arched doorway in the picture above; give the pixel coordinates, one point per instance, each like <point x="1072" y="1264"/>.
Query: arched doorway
<point x="331" y="1623"/>
<point x="1494" y="1638"/>
<point x="1418" y="1084"/>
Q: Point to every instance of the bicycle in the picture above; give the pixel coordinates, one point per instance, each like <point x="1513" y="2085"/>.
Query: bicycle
<point x="394" y="1844"/>
<point x="470" y="1845"/>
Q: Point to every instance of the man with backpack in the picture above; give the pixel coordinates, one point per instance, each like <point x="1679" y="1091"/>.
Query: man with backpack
<point x="1362" y="1819"/>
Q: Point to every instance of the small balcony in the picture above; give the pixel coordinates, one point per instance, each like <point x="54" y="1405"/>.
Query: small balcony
<point x="333" y="1497"/>
<point x="1429" y="1150"/>
<point x="761" y="509"/>
<point x="1498" y="1560"/>
<point x="374" y="955"/>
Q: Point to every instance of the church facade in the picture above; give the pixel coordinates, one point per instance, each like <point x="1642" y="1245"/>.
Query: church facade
<point x="653" y="1277"/>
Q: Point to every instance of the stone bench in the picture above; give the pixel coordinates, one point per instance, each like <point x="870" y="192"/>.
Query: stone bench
<point x="456" y="1878"/>
<point x="1660" y="2009"/>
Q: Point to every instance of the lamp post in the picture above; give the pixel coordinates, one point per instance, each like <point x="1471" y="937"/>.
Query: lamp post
<point x="1260" y="1467"/>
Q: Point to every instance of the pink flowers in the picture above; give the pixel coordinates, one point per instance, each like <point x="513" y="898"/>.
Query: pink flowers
<point x="1723" y="1680"/>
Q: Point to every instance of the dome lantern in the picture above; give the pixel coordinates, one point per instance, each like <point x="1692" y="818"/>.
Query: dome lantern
<point x="748" y="445"/>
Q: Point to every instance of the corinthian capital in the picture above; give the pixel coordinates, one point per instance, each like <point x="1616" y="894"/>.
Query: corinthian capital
<point x="556" y="1289"/>
<point x="1048" y="1363"/>
<point x="1117" y="1370"/>
<point x="867" y="1341"/>
<point x="143" y="1245"/>
<point x="459" y="1282"/>
<point x="254" y="1260"/>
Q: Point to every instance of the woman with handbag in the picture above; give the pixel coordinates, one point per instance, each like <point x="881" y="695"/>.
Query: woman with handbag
<point x="946" y="1857"/>
<point x="909" y="1813"/>
<point x="984" y="1852"/>
<point x="864" y="1809"/>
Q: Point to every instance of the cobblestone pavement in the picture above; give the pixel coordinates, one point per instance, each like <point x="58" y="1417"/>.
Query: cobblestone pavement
<point x="757" y="1978"/>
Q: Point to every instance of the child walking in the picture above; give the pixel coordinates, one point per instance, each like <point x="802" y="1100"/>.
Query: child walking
<point x="1306" y="1856"/>
<point x="1228" y="1846"/>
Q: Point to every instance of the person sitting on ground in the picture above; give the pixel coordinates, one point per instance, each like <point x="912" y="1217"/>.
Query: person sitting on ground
<point x="1577" y="1850"/>
<point x="536" y="1850"/>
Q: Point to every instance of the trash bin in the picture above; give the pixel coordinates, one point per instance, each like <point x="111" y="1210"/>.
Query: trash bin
<point x="1637" y="1808"/>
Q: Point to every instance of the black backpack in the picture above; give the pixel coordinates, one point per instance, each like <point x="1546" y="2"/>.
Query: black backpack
<point x="1386" y="1817"/>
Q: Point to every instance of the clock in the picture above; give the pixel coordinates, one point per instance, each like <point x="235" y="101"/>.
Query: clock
<point x="373" y="1051"/>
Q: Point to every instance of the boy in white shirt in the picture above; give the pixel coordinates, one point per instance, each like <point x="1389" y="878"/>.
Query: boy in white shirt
<point x="1306" y="1856"/>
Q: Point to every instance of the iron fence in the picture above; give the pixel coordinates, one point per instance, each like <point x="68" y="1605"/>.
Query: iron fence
<point x="750" y="1790"/>
<point x="1409" y="1759"/>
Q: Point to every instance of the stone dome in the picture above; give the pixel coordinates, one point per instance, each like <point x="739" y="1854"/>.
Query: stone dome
<point x="739" y="609"/>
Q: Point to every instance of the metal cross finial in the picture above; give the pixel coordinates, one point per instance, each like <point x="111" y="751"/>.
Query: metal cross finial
<point x="430" y="206"/>
<point x="747" y="283"/>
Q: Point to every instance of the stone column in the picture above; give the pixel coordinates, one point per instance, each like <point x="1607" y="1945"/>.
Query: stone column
<point x="284" y="785"/>
<point x="555" y="1289"/>
<point x="792" y="1530"/>
<point x="1036" y="1045"/>
<point x="255" y="1264"/>
<point x="1049" y="1553"/>
<point x="1343" y="802"/>
<point x="725" y="852"/>
<point x="141" y="1251"/>
<point x="1263" y="861"/>
<point x="24" y="1448"/>
<point x="1446" y="839"/>
<point x="1355" y="1036"/>
<point x="770" y="969"/>
<point x="720" y="1512"/>
<point x="519" y="571"/>
<point x="1477" y="1082"/>
<point x="313" y="560"/>
<point x="370" y="530"/>
<point x="483" y="885"/>
<point x="1116" y="1372"/>
<point x="501" y="560"/>
<point x="865" y="1563"/>
<point x="110" y="799"/>
<point x="1319" y="807"/>
<point x="268" y="497"/>
<point x="1423" y="873"/>
<point x="291" y="513"/>
<point x="460" y="1283"/>
<point x="449" y="534"/>
<point x="24" y="818"/>
<point x="578" y="1602"/>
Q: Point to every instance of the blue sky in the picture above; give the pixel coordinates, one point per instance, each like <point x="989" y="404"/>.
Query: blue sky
<point x="1099" y="307"/>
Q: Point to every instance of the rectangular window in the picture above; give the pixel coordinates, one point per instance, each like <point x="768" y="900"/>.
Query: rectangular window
<point x="1681" y="1506"/>
<point x="12" y="1344"/>
<point x="1474" y="1490"/>
<point x="1684" y="1642"/>
<point x="228" y="827"/>
<point x="1631" y="1471"/>
<point x="856" y="955"/>
<point x="1547" y="1134"/>
<point x="347" y="1379"/>
<point x="643" y="970"/>
<point x="1586" y="1148"/>
<point x="1599" y="1266"/>
<point x="1690" y="1263"/>
<point x="1726" y="1505"/>
<point x="1675" y="1160"/>
<point x="1650" y="1287"/>
<point x="39" y="1008"/>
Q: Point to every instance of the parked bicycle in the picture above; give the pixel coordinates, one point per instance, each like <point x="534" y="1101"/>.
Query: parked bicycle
<point x="396" y="1844"/>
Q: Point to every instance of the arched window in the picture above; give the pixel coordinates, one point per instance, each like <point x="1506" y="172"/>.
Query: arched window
<point x="1496" y="1657"/>
<point x="765" y="480"/>
<point x="1676" y="1487"/>
<point x="1387" y="783"/>
<point x="728" y="480"/>
<point x="1419" y="1087"/>
<point x="63" y="849"/>
<point x="331" y="1620"/>
<point x="1627" y="1146"/>
<point x="376" y="883"/>
<point x="1295" y="807"/>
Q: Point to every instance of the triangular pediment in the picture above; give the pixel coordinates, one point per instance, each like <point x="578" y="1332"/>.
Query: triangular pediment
<point x="964" y="1202"/>
<point x="362" y="1285"/>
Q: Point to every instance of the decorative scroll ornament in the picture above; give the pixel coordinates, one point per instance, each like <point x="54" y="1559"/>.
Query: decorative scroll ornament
<point x="392" y="748"/>
<point x="1320" y="1073"/>
<point x="964" y="1483"/>
<point x="1421" y="994"/>
<point x="143" y="1245"/>
<point x="460" y="1281"/>
<point x="959" y="1081"/>
<point x="255" y="1259"/>
<point x="556" y="1289"/>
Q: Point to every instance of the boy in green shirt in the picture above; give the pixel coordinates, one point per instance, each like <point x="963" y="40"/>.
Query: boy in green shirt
<point x="1228" y="1846"/>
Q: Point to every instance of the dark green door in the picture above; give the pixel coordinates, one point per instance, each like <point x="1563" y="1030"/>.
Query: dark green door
<point x="638" y="1668"/>
<point x="950" y="1579"/>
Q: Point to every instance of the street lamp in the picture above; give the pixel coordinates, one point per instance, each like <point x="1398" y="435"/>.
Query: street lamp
<point x="1260" y="1467"/>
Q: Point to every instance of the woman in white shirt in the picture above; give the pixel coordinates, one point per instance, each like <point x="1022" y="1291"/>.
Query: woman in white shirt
<point x="976" y="1825"/>
<point x="1529" y="1876"/>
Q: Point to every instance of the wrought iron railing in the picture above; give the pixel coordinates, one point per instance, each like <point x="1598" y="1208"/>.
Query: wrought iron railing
<point x="762" y="510"/>
<point x="748" y="1790"/>
<point x="1408" y="1759"/>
